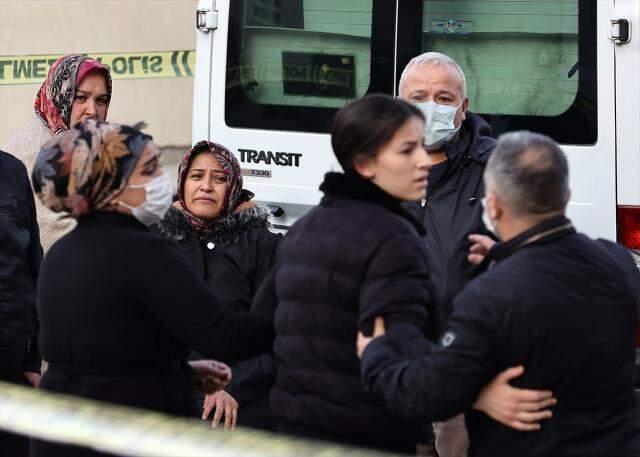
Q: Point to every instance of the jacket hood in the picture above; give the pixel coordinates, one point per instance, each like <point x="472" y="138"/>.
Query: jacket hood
<point x="225" y="231"/>
<point x="350" y="186"/>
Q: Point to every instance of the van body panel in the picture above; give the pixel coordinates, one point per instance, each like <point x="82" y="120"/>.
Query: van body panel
<point x="284" y="167"/>
<point x="627" y="68"/>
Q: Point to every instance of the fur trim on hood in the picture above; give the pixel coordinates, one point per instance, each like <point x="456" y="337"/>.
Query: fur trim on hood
<point x="224" y="232"/>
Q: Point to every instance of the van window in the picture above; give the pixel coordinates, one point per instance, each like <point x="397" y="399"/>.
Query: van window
<point x="528" y="64"/>
<point x="292" y="63"/>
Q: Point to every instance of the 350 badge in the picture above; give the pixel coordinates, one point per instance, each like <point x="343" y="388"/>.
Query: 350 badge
<point x="256" y="173"/>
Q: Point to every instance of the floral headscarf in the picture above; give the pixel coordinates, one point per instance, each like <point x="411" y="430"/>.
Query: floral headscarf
<point x="84" y="169"/>
<point x="55" y="96"/>
<point x="235" y="193"/>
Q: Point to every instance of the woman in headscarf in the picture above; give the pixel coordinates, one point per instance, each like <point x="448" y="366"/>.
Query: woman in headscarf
<point x="77" y="87"/>
<point x="118" y="305"/>
<point x="227" y="239"/>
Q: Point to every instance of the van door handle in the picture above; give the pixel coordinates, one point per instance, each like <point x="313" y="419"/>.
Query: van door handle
<point x="620" y="31"/>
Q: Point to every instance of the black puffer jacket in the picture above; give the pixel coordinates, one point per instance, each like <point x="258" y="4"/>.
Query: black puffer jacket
<point x="20" y="259"/>
<point x="233" y="259"/>
<point x="356" y="256"/>
<point x="453" y="210"/>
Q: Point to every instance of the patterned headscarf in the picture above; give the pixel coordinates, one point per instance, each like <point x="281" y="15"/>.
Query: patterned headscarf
<point x="55" y="97"/>
<point x="84" y="169"/>
<point x="235" y="193"/>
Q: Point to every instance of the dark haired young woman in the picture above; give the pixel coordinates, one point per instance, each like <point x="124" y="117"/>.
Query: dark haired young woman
<point x="356" y="256"/>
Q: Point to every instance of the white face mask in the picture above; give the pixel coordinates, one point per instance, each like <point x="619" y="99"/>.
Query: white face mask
<point x="439" y="126"/>
<point x="158" y="201"/>
<point x="486" y="219"/>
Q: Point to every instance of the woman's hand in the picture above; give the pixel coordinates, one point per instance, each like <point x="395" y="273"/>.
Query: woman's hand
<point x="224" y="404"/>
<point x="520" y="409"/>
<point x="209" y="376"/>
<point x="363" y="341"/>
<point x="33" y="378"/>
<point x="480" y="245"/>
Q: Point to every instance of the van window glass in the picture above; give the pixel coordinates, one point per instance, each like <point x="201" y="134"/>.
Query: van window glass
<point x="292" y="63"/>
<point x="529" y="64"/>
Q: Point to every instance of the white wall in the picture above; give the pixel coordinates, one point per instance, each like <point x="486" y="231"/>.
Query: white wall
<point x="43" y="27"/>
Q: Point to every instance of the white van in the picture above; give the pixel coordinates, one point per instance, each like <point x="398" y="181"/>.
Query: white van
<point x="270" y="75"/>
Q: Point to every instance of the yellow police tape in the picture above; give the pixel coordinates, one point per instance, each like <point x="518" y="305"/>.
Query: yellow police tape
<point x="131" y="65"/>
<point x="136" y="432"/>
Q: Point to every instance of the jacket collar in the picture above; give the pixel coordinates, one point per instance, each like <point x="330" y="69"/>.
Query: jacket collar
<point x="473" y="143"/>
<point x="110" y="219"/>
<point x="352" y="187"/>
<point x="543" y="233"/>
<point x="226" y="230"/>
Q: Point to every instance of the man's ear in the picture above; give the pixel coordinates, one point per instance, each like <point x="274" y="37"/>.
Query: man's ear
<point x="495" y="207"/>
<point x="465" y="107"/>
<point x="365" y="166"/>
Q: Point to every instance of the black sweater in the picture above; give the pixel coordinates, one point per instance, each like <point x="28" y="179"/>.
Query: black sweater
<point x="119" y="306"/>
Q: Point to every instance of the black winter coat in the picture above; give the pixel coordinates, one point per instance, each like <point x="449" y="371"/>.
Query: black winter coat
<point x="233" y="259"/>
<point x="558" y="303"/>
<point x="356" y="256"/>
<point x="452" y="211"/>
<point x="119" y="306"/>
<point x="20" y="259"/>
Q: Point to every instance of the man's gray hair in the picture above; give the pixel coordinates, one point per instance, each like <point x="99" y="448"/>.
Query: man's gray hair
<point x="530" y="173"/>
<point x="433" y="58"/>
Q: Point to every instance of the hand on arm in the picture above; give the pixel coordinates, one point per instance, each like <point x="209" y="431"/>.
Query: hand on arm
<point x="520" y="409"/>
<point x="224" y="404"/>
<point x="209" y="376"/>
<point x="33" y="378"/>
<point x="252" y="378"/>
<point x="396" y="285"/>
<point x="444" y="382"/>
<point x="201" y="322"/>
